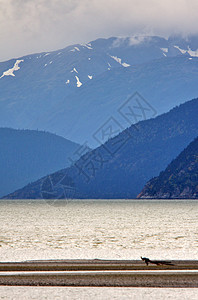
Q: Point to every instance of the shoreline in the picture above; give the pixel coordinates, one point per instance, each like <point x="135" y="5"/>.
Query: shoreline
<point x="94" y="264"/>
<point x="153" y="279"/>
<point x="112" y="273"/>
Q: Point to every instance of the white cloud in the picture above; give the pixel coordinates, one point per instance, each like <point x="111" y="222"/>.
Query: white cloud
<point x="36" y="25"/>
<point x="135" y="40"/>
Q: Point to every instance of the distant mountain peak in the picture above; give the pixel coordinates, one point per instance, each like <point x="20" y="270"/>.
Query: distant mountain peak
<point x="75" y="90"/>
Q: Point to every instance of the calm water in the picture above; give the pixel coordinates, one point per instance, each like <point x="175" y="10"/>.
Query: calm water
<point x="98" y="229"/>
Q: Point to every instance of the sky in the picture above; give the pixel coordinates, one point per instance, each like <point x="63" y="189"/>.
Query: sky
<point x="29" y="26"/>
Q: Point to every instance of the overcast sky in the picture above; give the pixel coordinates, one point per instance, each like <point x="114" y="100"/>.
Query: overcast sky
<point x="28" y="26"/>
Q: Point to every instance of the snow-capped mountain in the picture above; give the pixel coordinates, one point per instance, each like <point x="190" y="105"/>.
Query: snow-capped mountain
<point x="74" y="91"/>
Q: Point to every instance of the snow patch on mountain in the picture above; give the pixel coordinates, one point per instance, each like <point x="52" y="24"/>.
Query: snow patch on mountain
<point x="119" y="60"/>
<point x="181" y="50"/>
<point x="74" y="70"/>
<point x="164" y="50"/>
<point x="68" y="81"/>
<point x="88" y="46"/>
<point x="75" y="49"/>
<point x="90" y="77"/>
<point x="189" y="51"/>
<point x="126" y="65"/>
<point x="192" y="53"/>
<point x="78" y="83"/>
<point x="11" y="71"/>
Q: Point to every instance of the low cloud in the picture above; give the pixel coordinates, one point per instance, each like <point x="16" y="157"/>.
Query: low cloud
<point x="28" y="26"/>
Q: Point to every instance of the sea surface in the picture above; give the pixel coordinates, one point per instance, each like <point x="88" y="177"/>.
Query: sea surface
<point x="103" y="229"/>
<point x="32" y="230"/>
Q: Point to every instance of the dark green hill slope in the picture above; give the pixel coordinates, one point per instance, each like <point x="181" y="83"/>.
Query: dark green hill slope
<point x="179" y="180"/>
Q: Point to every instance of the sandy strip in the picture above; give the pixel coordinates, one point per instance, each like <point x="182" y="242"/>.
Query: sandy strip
<point x="96" y="264"/>
<point x="172" y="278"/>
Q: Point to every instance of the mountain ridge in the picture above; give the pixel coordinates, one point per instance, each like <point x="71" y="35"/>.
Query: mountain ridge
<point x="50" y="90"/>
<point x="179" y="180"/>
<point x="124" y="163"/>
<point x="26" y="155"/>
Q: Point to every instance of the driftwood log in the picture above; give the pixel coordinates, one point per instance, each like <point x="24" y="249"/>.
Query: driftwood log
<point x="156" y="262"/>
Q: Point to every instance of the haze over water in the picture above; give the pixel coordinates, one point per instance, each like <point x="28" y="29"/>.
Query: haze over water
<point x="32" y="230"/>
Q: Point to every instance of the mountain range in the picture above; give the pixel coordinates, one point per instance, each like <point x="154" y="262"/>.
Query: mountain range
<point x="121" y="166"/>
<point x="74" y="91"/>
